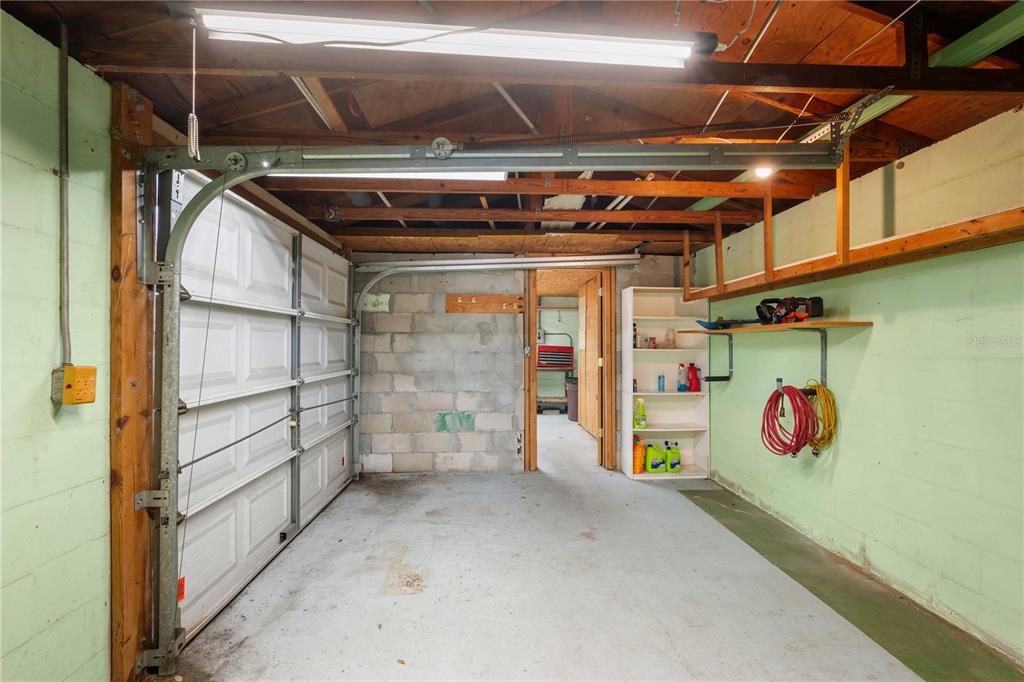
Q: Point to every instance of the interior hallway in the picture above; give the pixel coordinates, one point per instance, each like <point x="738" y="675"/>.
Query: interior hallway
<point x="572" y="572"/>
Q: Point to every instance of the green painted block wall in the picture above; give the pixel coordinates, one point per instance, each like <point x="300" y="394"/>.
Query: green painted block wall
<point x="924" y="486"/>
<point x="55" y="566"/>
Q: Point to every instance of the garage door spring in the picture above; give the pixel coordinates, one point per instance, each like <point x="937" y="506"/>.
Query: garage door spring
<point x="288" y="415"/>
<point x="677" y="131"/>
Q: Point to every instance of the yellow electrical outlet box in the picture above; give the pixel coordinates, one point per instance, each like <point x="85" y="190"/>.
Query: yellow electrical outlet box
<point x="73" y="385"/>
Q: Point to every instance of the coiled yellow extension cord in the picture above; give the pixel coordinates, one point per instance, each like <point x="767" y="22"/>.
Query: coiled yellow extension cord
<point x="824" y="404"/>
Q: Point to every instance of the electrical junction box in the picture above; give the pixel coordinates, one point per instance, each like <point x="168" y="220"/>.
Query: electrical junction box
<point x="73" y="385"/>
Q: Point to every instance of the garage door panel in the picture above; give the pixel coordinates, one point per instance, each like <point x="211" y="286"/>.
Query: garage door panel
<point x="254" y="253"/>
<point x="324" y="347"/>
<point x="269" y="349"/>
<point x="210" y="558"/>
<point x="220" y="372"/>
<point x="275" y="440"/>
<point x="324" y="280"/>
<point x="268" y="272"/>
<point x="268" y="511"/>
<point x="319" y="421"/>
<point x="245" y="351"/>
<point x="225" y="544"/>
<point x="312" y="349"/>
<point x="325" y="467"/>
<point x="197" y="258"/>
<point x="223" y="423"/>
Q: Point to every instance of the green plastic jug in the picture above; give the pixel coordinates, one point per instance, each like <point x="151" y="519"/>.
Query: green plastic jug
<point x="656" y="461"/>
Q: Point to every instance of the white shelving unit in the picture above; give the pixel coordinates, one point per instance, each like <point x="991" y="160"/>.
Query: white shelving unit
<point x="671" y="415"/>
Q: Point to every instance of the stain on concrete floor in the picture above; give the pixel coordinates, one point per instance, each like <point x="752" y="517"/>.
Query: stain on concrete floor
<point x="928" y="645"/>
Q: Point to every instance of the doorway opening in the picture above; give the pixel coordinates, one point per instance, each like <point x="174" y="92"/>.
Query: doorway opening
<point x="569" y="389"/>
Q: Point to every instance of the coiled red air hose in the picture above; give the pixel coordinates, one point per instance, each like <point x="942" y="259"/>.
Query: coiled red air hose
<point x="774" y="434"/>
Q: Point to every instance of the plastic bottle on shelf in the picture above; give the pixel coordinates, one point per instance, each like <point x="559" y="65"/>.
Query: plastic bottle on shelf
<point x="639" y="454"/>
<point x="681" y="381"/>
<point x="655" y="460"/>
<point x="661" y="382"/>
<point x="639" y="414"/>
<point x="693" y="379"/>
<point x="673" y="457"/>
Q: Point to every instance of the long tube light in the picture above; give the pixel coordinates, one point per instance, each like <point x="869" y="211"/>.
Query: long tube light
<point x="227" y="24"/>
<point x="496" y="176"/>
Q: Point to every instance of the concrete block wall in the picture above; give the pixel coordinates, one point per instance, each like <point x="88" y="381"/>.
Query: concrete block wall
<point x="55" y="596"/>
<point x="441" y="392"/>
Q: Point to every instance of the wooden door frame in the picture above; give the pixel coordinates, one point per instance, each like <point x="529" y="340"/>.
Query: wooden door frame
<point x="607" y="442"/>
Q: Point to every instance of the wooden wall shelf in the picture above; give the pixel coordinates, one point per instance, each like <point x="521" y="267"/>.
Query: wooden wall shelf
<point x="819" y="325"/>
<point x="787" y="326"/>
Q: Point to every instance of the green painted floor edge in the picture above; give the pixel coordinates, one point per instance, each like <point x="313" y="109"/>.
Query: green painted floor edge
<point x="928" y="645"/>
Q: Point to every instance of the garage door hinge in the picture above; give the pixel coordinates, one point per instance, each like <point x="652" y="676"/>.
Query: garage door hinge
<point x="151" y="499"/>
<point x="164" y="273"/>
<point x="600" y="362"/>
<point x="600" y="291"/>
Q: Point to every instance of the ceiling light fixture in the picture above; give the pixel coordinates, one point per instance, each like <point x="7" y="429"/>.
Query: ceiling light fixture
<point x="494" y="176"/>
<point x="764" y="171"/>
<point x="226" y="24"/>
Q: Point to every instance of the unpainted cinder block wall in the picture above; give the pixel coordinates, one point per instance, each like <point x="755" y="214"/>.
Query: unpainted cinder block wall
<point x="441" y="392"/>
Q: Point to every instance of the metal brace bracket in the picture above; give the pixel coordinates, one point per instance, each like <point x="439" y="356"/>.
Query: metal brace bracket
<point x="151" y="499"/>
<point x="164" y="273"/>
<point x="158" y="658"/>
<point x="723" y="377"/>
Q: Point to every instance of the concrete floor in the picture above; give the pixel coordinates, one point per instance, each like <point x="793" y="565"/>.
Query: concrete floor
<point x="573" y="572"/>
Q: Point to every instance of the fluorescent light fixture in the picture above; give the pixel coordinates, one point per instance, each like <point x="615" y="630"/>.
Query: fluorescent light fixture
<point x="495" y="176"/>
<point x="227" y="24"/>
<point x="764" y="171"/>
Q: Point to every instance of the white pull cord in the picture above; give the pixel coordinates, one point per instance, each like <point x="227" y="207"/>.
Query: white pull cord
<point x="193" y="120"/>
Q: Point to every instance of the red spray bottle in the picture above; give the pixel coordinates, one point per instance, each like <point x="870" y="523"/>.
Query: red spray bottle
<point x="693" y="378"/>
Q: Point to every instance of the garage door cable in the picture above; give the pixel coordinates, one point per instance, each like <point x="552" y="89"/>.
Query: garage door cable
<point x="202" y="376"/>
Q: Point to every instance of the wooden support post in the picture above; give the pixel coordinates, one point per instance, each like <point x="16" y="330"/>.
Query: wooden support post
<point x="843" y="209"/>
<point x="769" y="247"/>
<point x="719" y="257"/>
<point x="530" y="321"/>
<point x="686" y="265"/>
<point x="131" y="388"/>
<point x="609" y="298"/>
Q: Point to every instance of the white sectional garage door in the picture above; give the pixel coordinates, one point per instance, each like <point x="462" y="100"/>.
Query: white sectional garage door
<point x="250" y="362"/>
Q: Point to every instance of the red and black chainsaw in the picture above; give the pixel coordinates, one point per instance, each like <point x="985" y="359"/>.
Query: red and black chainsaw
<point x="789" y="309"/>
<point x="775" y="311"/>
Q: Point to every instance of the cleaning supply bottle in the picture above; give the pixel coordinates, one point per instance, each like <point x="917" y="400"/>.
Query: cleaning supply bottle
<point x="681" y="382"/>
<point x="661" y="382"/>
<point x="639" y="414"/>
<point x="673" y="457"/>
<point x="655" y="461"/>
<point x="693" y="378"/>
<point x="639" y="454"/>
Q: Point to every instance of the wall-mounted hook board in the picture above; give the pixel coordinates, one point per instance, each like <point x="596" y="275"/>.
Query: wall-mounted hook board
<point x="484" y="303"/>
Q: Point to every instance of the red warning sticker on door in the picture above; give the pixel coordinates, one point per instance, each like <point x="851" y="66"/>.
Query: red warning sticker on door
<point x="181" y="589"/>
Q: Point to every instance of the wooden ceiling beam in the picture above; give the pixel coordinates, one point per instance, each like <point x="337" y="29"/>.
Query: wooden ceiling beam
<point x="669" y="236"/>
<point x="263" y="102"/>
<point x="316" y="95"/>
<point x="541" y="187"/>
<point x="505" y="215"/>
<point x="232" y="59"/>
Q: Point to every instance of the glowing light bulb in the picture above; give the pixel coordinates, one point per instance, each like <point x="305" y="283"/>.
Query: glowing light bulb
<point x="764" y="171"/>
